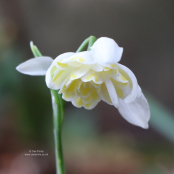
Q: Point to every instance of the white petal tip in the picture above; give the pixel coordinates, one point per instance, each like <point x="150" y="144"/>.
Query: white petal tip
<point x="20" y="69"/>
<point x="146" y="126"/>
<point x="143" y="125"/>
<point x="136" y="112"/>
<point x="17" y="68"/>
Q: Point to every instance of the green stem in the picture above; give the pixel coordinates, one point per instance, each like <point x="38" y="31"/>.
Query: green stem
<point x="58" y="105"/>
<point x="89" y="41"/>
<point x="83" y="45"/>
<point x="92" y="39"/>
<point x="57" y="122"/>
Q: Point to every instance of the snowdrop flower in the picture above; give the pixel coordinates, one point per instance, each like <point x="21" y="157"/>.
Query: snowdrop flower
<point x="87" y="77"/>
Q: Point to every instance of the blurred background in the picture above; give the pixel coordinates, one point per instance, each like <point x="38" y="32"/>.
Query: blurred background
<point x="99" y="141"/>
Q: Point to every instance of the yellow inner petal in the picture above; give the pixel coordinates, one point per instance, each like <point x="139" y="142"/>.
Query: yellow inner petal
<point x="53" y="70"/>
<point x="80" y="59"/>
<point x="79" y="102"/>
<point x="74" y="76"/>
<point x="62" y="65"/>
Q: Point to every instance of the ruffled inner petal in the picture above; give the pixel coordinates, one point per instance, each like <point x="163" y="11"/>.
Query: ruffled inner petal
<point x="79" y="103"/>
<point x="69" y="93"/>
<point x="81" y="94"/>
<point x="78" y="73"/>
<point x="122" y="89"/>
<point x="93" y="76"/>
<point x="97" y="67"/>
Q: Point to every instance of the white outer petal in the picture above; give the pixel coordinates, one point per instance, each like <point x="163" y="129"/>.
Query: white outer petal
<point x="64" y="56"/>
<point x="131" y="97"/>
<point x="112" y="92"/>
<point x="137" y="112"/>
<point x="35" y="66"/>
<point x="106" y="51"/>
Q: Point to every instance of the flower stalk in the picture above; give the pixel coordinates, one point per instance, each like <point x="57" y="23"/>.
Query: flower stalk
<point x="57" y="122"/>
<point x="58" y="105"/>
<point x="83" y="45"/>
<point x="92" y="39"/>
<point x="89" y="41"/>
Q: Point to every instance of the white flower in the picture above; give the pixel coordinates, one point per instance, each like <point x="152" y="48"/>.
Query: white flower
<point x="88" y="77"/>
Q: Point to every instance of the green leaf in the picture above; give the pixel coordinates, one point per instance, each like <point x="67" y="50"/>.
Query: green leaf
<point x="162" y="118"/>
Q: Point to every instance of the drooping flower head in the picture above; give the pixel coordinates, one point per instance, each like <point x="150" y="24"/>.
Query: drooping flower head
<point x="88" y="77"/>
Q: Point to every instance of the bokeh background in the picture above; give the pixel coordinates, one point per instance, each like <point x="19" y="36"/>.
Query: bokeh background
<point x="99" y="141"/>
